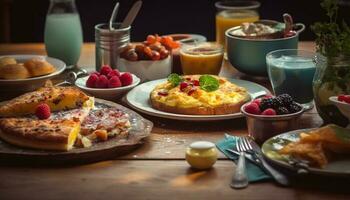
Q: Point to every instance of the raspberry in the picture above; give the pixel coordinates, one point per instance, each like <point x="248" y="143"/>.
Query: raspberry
<point x="105" y="69"/>
<point x="286" y="99"/>
<point x="266" y="103"/>
<point x="269" y="111"/>
<point x="191" y="91"/>
<point x="91" y="82"/>
<point x="257" y="101"/>
<point x="347" y="99"/>
<point x="195" y="82"/>
<point x="102" y="82"/>
<point x="183" y="85"/>
<point x="112" y="73"/>
<point x="282" y="111"/>
<point x="43" y="111"/>
<point x="114" y="82"/>
<point x="252" y="108"/>
<point x="341" y="97"/>
<point x="126" y="79"/>
<point x="97" y="73"/>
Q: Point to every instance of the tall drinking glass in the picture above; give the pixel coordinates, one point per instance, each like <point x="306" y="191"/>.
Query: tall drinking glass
<point x="292" y="71"/>
<point x="63" y="33"/>
<point x="234" y="13"/>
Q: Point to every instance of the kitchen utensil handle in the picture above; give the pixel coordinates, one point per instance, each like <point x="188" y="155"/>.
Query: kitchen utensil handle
<point x="239" y="179"/>
<point x="278" y="176"/>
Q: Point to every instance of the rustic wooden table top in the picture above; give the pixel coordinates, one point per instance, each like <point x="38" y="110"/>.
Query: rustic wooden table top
<point x="158" y="170"/>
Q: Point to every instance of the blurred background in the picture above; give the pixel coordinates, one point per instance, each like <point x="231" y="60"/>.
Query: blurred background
<point x="23" y="20"/>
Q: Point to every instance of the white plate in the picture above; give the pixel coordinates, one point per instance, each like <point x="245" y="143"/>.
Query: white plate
<point x="138" y="98"/>
<point x="58" y="64"/>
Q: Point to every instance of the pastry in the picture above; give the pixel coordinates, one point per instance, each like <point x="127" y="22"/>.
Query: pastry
<point x="58" y="98"/>
<point x="14" y="71"/>
<point x="7" y="61"/>
<point x="40" y="134"/>
<point x="38" y="67"/>
<point x="189" y="97"/>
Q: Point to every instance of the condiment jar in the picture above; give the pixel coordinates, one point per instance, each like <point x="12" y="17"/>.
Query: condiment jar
<point x="110" y="43"/>
<point x="201" y="155"/>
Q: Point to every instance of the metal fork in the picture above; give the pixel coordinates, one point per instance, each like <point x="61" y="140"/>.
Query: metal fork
<point x="240" y="179"/>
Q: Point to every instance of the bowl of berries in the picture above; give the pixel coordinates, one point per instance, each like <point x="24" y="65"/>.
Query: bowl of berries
<point x="149" y="60"/>
<point x="108" y="83"/>
<point x="269" y="116"/>
<point x="343" y="104"/>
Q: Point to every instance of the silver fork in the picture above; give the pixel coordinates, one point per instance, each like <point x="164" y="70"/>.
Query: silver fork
<point x="240" y="179"/>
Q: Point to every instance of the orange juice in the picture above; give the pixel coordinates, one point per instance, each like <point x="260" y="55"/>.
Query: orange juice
<point x="230" y="18"/>
<point x="201" y="59"/>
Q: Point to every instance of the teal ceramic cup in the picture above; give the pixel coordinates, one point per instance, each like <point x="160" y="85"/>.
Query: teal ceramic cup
<point x="249" y="55"/>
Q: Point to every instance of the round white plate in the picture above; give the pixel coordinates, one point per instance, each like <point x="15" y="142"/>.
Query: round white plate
<point x="138" y="99"/>
<point x="58" y="64"/>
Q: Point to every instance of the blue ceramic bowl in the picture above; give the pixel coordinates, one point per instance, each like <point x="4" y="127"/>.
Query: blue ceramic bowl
<point x="249" y="55"/>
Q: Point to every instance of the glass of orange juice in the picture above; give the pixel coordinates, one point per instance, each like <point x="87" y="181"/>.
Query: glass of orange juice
<point x="201" y="58"/>
<point x="234" y="13"/>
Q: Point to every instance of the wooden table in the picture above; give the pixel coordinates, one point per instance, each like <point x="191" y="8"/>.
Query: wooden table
<point x="158" y="170"/>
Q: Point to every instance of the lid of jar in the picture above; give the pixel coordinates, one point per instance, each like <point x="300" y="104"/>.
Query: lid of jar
<point x="201" y="145"/>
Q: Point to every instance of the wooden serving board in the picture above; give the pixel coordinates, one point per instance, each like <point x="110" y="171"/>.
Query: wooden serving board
<point x="140" y="129"/>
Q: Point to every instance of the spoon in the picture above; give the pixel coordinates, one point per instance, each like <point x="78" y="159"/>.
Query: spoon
<point x="131" y="14"/>
<point x="113" y="16"/>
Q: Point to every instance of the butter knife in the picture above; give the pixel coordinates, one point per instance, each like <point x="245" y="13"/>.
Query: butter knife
<point x="131" y="14"/>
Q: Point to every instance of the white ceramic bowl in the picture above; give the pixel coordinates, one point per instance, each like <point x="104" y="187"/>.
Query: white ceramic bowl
<point x="342" y="106"/>
<point x="147" y="70"/>
<point x="111" y="94"/>
<point x="17" y="87"/>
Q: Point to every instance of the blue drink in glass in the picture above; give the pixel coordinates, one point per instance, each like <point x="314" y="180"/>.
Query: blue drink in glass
<point x="292" y="72"/>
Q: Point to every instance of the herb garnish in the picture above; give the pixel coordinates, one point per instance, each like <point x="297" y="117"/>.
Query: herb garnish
<point x="332" y="39"/>
<point x="208" y="83"/>
<point x="175" y="79"/>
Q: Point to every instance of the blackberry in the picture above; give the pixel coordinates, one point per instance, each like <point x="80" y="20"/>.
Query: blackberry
<point x="286" y="99"/>
<point x="277" y="102"/>
<point x="266" y="103"/>
<point x="282" y="111"/>
<point x="293" y="108"/>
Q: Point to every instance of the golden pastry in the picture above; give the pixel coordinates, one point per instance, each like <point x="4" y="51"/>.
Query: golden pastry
<point x="38" y="67"/>
<point x="14" y="71"/>
<point x="7" y="61"/>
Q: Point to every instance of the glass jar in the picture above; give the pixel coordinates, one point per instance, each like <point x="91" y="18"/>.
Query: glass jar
<point x="332" y="78"/>
<point x="234" y="13"/>
<point x="63" y="33"/>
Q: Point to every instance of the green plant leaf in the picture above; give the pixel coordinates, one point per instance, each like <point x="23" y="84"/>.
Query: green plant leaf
<point x="208" y="83"/>
<point x="175" y="79"/>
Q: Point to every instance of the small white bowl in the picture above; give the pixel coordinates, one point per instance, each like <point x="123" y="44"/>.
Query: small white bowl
<point x="147" y="70"/>
<point x="342" y="106"/>
<point x="111" y="94"/>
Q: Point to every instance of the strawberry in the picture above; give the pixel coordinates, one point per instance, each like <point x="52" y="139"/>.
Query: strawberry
<point x="269" y="111"/>
<point x="102" y="82"/>
<point x="91" y="82"/>
<point x="126" y="79"/>
<point x="114" y="82"/>
<point x="112" y="73"/>
<point x="43" y="111"/>
<point x="252" y="108"/>
<point x="105" y="69"/>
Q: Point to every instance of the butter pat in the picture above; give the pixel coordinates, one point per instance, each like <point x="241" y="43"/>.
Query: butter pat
<point x="201" y="155"/>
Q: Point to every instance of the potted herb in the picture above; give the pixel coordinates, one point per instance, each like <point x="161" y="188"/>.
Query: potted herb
<point x="333" y="63"/>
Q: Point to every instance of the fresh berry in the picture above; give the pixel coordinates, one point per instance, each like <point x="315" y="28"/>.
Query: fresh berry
<point x="277" y="102"/>
<point x="266" y="103"/>
<point x="105" y="69"/>
<point x="347" y="99"/>
<point x="268" y="96"/>
<point x="126" y="79"/>
<point x="257" y="101"/>
<point x="97" y="73"/>
<point x="341" y="97"/>
<point x="43" y="111"/>
<point x="191" y="91"/>
<point x="286" y="99"/>
<point x="183" y="85"/>
<point x="195" y="82"/>
<point x="252" y="108"/>
<point x="282" y="111"/>
<point x="163" y="93"/>
<point x="114" y="82"/>
<point x="294" y="107"/>
<point x="112" y="73"/>
<point x="91" y="82"/>
<point x="102" y="82"/>
<point x="269" y="111"/>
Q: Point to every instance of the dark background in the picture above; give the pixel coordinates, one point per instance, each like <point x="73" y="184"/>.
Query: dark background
<point x="26" y="18"/>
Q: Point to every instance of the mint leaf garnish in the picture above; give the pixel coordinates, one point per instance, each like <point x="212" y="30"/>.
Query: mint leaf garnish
<point x="208" y="83"/>
<point x="175" y="79"/>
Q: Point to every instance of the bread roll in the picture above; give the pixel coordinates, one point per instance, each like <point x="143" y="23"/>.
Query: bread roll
<point x="14" y="71"/>
<point x="7" y="61"/>
<point x="38" y="67"/>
